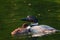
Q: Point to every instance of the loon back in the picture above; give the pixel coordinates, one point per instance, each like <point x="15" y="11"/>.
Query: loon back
<point x="41" y="30"/>
<point x="37" y="31"/>
<point x="41" y="27"/>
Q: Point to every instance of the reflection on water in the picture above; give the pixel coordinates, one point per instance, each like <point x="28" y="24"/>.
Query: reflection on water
<point x="33" y="38"/>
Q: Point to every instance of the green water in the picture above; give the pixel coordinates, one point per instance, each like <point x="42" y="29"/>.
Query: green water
<point x="11" y="11"/>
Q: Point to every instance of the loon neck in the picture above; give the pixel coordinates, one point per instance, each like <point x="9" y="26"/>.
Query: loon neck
<point x="34" y="23"/>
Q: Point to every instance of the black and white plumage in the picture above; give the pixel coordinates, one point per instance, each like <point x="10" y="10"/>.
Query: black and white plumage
<point x="38" y="31"/>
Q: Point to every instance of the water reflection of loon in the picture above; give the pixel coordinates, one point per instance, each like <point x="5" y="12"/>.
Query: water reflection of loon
<point x="33" y="38"/>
